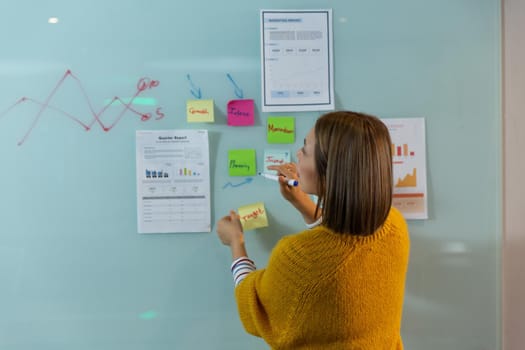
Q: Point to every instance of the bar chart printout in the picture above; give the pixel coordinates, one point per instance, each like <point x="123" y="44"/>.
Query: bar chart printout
<point x="173" y="181"/>
<point x="409" y="158"/>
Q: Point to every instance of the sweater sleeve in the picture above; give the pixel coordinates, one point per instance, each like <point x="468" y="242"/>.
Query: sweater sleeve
<point x="251" y="310"/>
<point x="265" y="298"/>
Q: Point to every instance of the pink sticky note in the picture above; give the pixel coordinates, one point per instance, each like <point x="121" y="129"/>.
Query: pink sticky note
<point x="240" y="112"/>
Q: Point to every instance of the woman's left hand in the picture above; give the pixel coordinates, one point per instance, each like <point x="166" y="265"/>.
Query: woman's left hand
<point x="229" y="229"/>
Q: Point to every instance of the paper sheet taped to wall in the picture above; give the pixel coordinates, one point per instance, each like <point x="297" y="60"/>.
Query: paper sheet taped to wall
<point x="410" y="172"/>
<point x="173" y="181"/>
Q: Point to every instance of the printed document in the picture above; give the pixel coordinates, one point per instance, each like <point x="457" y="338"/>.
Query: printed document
<point x="410" y="171"/>
<point x="297" y="60"/>
<point x="173" y="181"/>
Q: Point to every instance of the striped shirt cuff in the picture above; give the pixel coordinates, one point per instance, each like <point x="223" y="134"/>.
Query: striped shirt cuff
<point x="240" y="268"/>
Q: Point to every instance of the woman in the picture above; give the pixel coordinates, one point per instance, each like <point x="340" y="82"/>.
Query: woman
<point x="340" y="283"/>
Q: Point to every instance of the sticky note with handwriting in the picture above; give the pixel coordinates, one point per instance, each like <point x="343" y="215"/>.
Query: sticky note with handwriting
<point x="253" y="216"/>
<point x="200" y="111"/>
<point x="240" y="112"/>
<point x="281" y="130"/>
<point x="242" y="162"/>
<point x="275" y="157"/>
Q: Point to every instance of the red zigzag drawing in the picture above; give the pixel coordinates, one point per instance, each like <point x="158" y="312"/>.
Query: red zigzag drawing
<point x="142" y="85"/>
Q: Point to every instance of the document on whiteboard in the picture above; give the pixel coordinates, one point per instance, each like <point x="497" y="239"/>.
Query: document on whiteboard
<point x="410" y="171"/>
<point x="297" y="60"/>
<point x="173" y="181"/>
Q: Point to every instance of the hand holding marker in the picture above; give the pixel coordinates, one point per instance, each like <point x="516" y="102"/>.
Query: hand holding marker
<point x="290" y="182"/>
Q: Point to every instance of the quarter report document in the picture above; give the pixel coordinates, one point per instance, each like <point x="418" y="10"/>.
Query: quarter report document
<point x="173" y="181"/>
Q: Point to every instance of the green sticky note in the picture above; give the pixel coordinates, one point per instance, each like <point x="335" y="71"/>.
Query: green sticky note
<point x="241" y="162"/>
<point x="281" y="130"/>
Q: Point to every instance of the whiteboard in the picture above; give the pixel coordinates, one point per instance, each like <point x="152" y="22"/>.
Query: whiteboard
<point x="76" y="274"/>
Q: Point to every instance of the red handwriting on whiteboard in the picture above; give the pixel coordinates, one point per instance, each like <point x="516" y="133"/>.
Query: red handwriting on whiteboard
<point x="146" y="83"/>
<point x="143" y="84"/>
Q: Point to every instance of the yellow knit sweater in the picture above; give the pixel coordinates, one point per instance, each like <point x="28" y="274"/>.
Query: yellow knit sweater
<point x="324" y="290"/>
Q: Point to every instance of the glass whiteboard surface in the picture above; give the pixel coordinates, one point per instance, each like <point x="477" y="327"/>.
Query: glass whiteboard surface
<point x="80" y="78"/>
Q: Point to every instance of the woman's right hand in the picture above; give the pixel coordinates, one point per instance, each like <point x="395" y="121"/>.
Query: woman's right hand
<point x="293" y="194"/>
<point x="287" y="171"/>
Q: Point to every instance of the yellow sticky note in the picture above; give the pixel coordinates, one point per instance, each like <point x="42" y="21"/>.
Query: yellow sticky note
<point x="253" y="216"/>
<point x="199" y="111"/>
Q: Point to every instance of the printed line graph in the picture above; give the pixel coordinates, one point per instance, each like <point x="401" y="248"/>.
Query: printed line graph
<point x="143" y="84"/>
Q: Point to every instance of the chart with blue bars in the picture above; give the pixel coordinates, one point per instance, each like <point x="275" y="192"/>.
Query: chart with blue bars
<point x="156" y="174"/>
<point x="163" y="174"/>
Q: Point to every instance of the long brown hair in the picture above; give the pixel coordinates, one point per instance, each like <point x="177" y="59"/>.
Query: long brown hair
<point x="354" y="164"/>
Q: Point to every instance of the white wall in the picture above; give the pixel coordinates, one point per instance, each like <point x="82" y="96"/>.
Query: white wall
<point x="514" y="167"/>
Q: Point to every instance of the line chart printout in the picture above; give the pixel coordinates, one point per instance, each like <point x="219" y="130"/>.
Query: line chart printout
<point x="173" y="181"/>
<point x="297" y="60"/>
<point x="410" y="172"/>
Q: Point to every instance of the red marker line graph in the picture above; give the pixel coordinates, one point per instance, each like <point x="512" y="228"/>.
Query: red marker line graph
<point x="142" y="85"/>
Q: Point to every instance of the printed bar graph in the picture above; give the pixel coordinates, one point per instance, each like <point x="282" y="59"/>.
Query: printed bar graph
<point x="187" y="172"/>
<point x="402" y="151"/>
<point x="156" y="174"/>
<point x="407" y="147"/>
